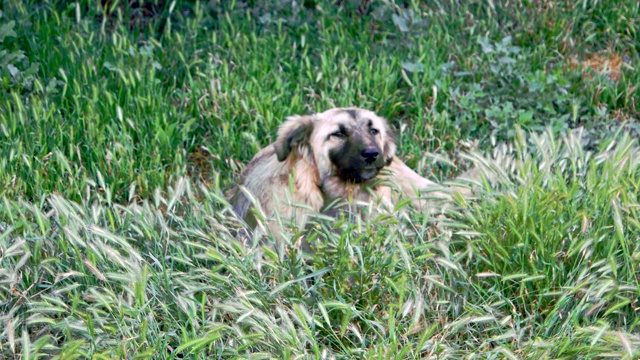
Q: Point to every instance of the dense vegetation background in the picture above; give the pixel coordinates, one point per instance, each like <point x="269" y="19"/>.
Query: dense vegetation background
<point x="122" y="123"/>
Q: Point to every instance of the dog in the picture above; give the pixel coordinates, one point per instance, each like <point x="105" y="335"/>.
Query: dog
<point x="342" y="155"/>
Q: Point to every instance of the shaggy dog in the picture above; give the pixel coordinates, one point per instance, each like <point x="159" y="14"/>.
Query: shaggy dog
<point x="344" y="154"/>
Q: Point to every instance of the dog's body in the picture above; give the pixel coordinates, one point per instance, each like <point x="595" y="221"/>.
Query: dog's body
<point x="340" y="154"/>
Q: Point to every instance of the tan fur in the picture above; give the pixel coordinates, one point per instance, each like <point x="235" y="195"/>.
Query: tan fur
<point x="297" y="175"/>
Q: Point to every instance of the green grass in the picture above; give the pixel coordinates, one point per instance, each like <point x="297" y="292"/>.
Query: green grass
<point x="121" y="128"/>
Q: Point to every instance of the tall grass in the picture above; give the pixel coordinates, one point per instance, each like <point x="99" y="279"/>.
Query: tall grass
<point x="545" y="267"/>
<point x="122" y="126"/>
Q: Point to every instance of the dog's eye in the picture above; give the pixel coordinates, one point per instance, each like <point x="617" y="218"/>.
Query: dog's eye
<point x="374" y="131"/>
<point x="339" y="134"/>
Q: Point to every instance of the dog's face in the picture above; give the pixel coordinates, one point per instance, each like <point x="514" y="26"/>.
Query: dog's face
<point x="350" y="144"/>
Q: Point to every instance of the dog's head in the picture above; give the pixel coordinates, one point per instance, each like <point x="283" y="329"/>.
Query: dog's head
<point x="349" y="143"/>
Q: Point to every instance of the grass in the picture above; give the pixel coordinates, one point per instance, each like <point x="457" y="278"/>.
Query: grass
<point x="121" y="128"/>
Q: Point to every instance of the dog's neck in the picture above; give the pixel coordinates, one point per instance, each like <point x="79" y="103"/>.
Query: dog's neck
<point x="333" y="187"/>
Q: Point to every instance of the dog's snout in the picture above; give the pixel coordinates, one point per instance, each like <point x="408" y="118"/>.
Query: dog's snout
<point x="370" y="155"/>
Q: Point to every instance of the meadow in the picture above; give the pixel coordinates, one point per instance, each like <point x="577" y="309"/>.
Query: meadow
<point x="123" y="124"/>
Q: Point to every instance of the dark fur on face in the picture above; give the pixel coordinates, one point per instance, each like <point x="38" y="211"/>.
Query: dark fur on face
<point x="359" y="158"/>
<point x="357" y="162"/>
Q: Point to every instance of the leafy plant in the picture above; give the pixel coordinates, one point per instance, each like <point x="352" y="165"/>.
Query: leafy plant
<point x="16" y="72"/>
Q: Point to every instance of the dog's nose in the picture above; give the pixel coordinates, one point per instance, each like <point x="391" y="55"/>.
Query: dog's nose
<point x="370" y="155"/>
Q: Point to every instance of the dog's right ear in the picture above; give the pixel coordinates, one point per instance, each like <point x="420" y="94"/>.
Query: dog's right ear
<point x="292" y="135"/>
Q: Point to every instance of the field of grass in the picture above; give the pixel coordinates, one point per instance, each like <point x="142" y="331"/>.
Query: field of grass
<point x="123" y="123"/>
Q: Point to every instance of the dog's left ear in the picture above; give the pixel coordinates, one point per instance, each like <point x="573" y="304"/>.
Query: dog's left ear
<point x="293" y="135"/>
<point x="389" y="144"/>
